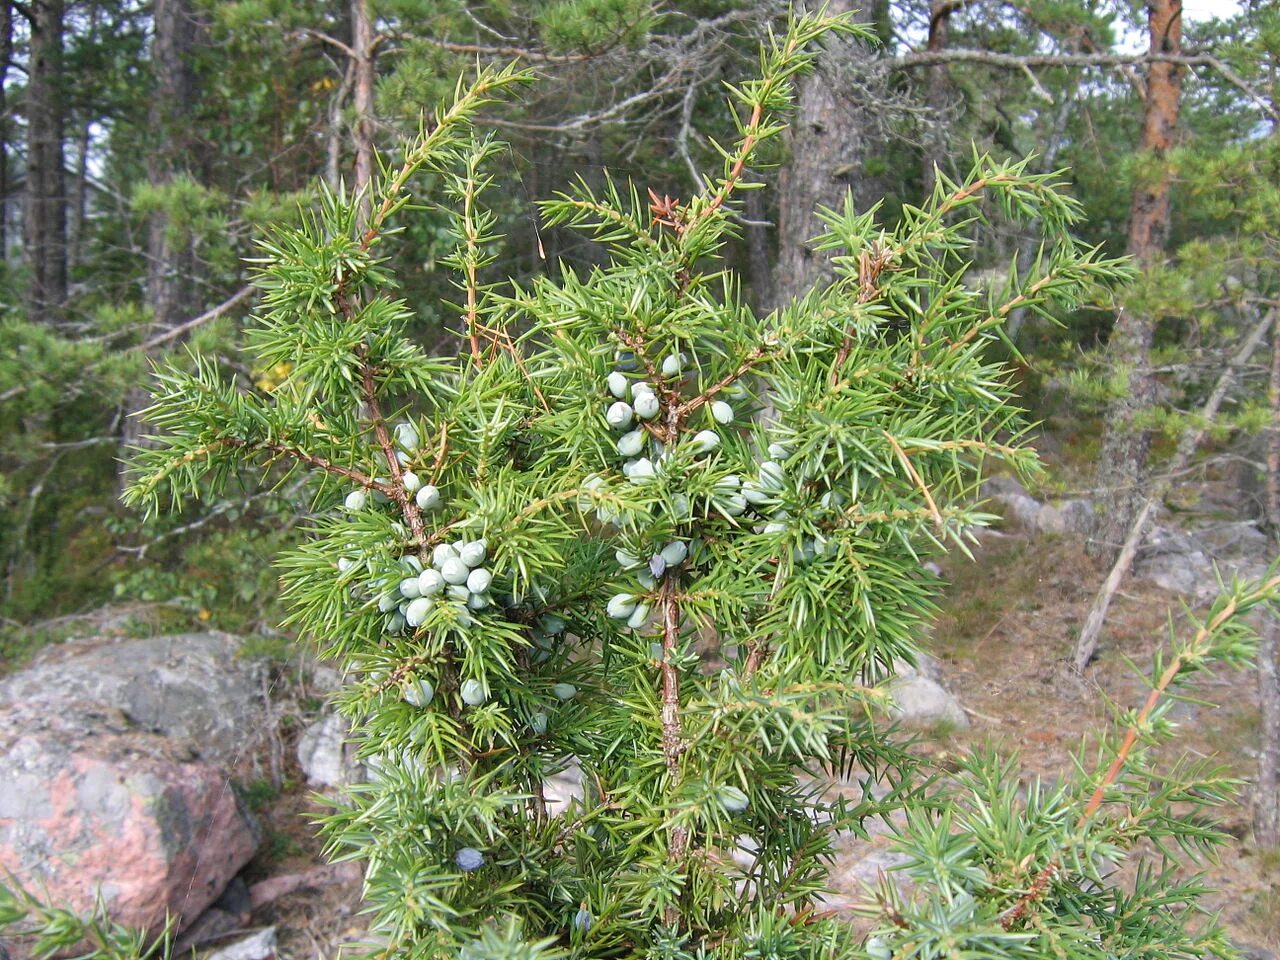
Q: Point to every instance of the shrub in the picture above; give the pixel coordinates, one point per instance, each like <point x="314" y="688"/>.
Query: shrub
<point x="636" y="526"/>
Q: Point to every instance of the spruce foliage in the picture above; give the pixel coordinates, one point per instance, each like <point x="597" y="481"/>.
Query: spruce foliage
<point x="635" y="526"/>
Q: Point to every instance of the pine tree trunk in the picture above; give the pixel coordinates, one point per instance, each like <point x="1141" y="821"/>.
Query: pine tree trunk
<point x="1266" y="822"/>
<point x="832" y="136"/>
<point x="937" y="87"/>
<point x="758" y="248"/>
<point x="362" y="43"/>
<point x="171" y="293"/>
<point x="6" y="54"/>
<point x="1126" y="446"/>
<point x="44" y="207"/>
<point x="170" y="261"/>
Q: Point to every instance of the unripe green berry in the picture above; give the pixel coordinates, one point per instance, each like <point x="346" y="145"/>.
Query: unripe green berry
<point x="407" y="436"/>
<point x="478" y="601"/>
<point x="621" y="606"/>
<point x="646" y="406"/>
<point x="564" y="691"/>
<point x="458" y="592"/>
<point x="640" y="471"/>
<point x="409" y="589"/>
<point x="551" y="624"/>
<point x="631" y="443"/>
<point x="641" y="388"/>
<point x="538" y="722"/>
<point x="639" y="616"/>
<point x="618" y="384"/>
<point x="417" y="611"/>
<point x="674" y="553"/>
<point x="619" y="415"/>
<point x="704" y="441"/>
<point x="356" y="500"/>
<point x="411" y="482"/>
<point x="430" y="583"/>
<point x="772" y="476"/>
<point x="673" y="365"/>
<point x="733" y="799"/>
<point x="441" y="553"/>
<point x="419" y="694"/>
<point x="626" y="560"/>
<point x="473" y="693"/>
<point x="721" y="412"/>
<point x="345" y="564"/>
<point x="454" y="570"/>
<point x="478" y="580"/>
<point x="427" y="497"/>
<point x="473" y="553"/>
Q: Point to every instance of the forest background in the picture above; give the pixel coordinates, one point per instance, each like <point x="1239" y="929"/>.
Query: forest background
<point x="144" y="147"/>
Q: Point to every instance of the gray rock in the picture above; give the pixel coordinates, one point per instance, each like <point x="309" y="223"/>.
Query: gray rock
<point x="1069" y="516"/>
<point x="259" y="946"/>
<point x="564" y="787"/>
<point x="919" y="701"/>
<point x="192" y="687"/>
<point x="1188" y="574"/>
<point x="326" y="757"/>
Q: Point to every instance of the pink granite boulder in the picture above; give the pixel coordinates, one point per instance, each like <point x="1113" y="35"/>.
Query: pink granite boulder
<point x="97" y="797"/>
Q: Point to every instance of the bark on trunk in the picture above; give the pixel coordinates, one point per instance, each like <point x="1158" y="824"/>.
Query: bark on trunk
<point x="1266" y="819"/>
<point x="758" y="249"/>
<point x="1126" y="447"/>
<point x="44" y="206"/>
<point x="937" y="88"/>
<point x="6" y="54"/>
<point x="170" y="260"/>
<point x="362" y="43"/>
<point x="832" y="136"/>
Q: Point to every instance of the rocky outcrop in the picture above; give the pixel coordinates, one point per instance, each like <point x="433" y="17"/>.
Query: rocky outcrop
<point x="326" y="756"/>
<point x="114" y="759"/>
<point x="919" y="698"/>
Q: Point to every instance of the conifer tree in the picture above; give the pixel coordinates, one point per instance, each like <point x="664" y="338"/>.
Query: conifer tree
<point x="580" y="540"/>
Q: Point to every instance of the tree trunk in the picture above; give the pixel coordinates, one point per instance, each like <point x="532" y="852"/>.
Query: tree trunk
<point x="1126" y="447"/>
<point x="44" y="208"/>
<point x="831" y="138"/>
<point x="6" y="54"/>
<point x="170" y="260"/>
<point x="362" y="38"/>
<point x="171" y="293"/>
<point x="934" y="136"/>
<point x="758" y="248"/>
<point x="1266" y="804"/>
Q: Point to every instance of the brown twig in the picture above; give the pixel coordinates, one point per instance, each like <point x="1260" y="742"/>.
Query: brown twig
<point x="1193" y="651"/>
<point x="672" y="738"/>
<point x="408" y="506"/>
<point x="871" y="263"/>
<point x="915" y="478"/>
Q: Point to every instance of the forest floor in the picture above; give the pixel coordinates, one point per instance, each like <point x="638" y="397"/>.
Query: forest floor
<point x="1002" y="644"/>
